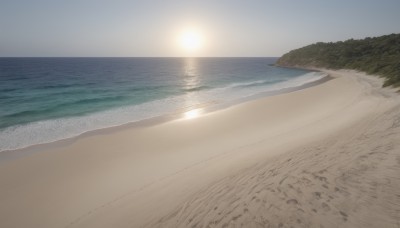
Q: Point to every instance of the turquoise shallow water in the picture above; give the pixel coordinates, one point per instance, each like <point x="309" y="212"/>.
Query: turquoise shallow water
<point x="48" y="99"/>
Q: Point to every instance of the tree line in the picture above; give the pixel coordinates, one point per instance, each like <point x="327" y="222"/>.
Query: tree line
<point x="377" y="55"/>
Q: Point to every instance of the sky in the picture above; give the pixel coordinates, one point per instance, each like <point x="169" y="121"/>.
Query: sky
<point x="235" y="28"/>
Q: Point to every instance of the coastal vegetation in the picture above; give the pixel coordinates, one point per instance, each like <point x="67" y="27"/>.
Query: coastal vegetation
<point x="377" y="55"/>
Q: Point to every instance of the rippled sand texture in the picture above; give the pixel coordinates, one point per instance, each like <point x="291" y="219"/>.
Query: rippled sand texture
<point x="349" y="180"/>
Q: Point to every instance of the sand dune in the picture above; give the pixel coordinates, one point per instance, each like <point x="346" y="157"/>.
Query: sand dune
<point x="325" y="156"/>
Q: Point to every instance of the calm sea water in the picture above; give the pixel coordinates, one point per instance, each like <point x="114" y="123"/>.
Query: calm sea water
<point x="48" y="99"/>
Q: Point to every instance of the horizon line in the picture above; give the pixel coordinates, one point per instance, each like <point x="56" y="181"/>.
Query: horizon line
<point x="140" y="56"/>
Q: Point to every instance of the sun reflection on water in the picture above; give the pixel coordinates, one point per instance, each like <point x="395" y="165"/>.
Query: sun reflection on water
<point x="191" y="74"/>
<point x="191" y="81"/>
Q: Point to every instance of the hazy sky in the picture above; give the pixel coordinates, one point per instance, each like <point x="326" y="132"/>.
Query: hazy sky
<point x="152" y="28"/>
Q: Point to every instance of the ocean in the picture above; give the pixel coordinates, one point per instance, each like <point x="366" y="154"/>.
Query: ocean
<point x="48" y="99"/>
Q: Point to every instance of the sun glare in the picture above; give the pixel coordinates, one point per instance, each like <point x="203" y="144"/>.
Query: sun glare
<point x="191" y="40"/>
<point x="192" y="114"/>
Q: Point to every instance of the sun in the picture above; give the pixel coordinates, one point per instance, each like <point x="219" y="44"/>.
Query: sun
<point x="191" y="40"/>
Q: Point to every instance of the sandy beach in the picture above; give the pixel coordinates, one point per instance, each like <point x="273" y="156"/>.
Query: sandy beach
<point x="324" y="156"/>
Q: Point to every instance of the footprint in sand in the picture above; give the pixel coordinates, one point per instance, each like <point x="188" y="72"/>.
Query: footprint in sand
<point x="292" y="201"/>
<point x="344" y="215"/>
<point x="315" y="210"/>
<point x="317" y="195"/>
<point x="326" y="207"/>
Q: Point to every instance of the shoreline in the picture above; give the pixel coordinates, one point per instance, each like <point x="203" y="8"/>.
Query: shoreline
<point x="280" y="159"/>
<point x="7" y="155"/>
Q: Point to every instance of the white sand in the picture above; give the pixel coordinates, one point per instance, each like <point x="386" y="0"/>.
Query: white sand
<point x="326" y="156"/>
